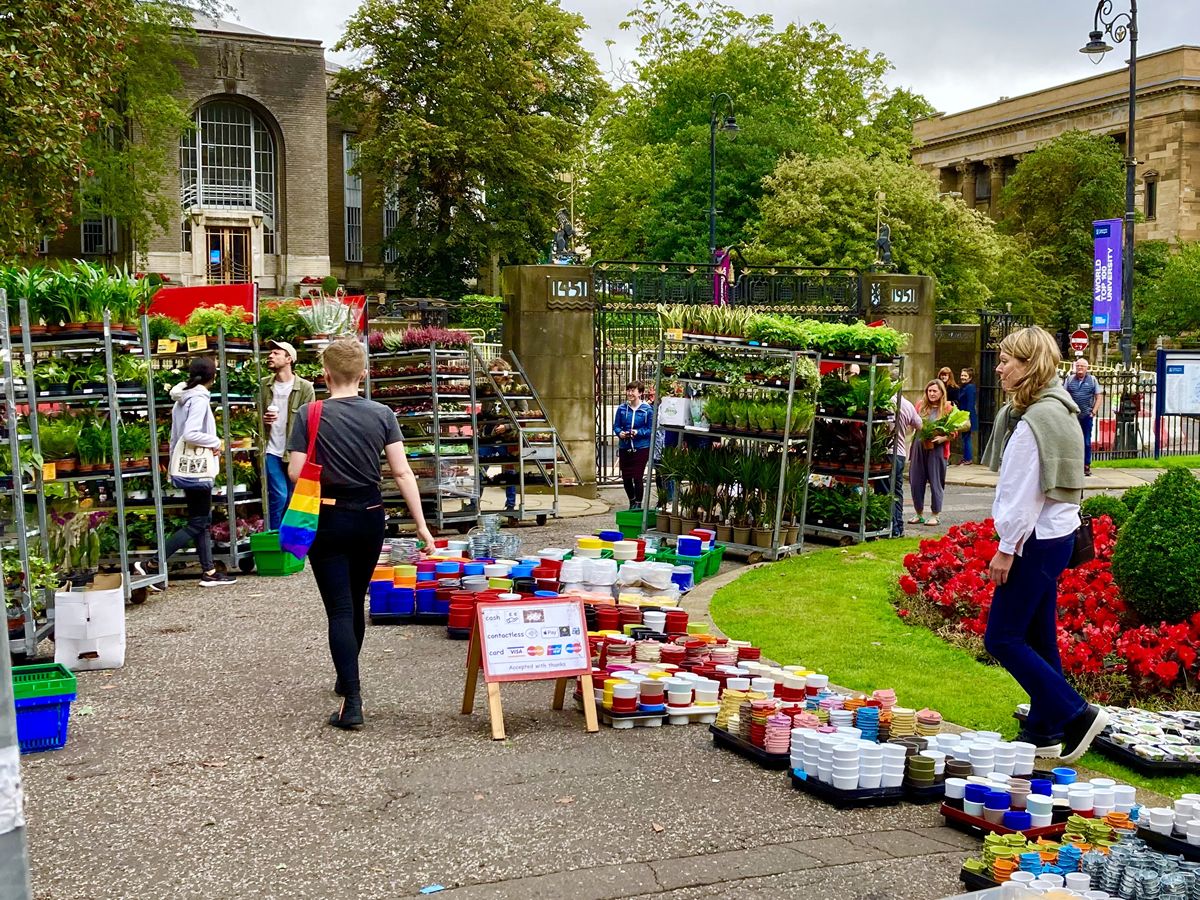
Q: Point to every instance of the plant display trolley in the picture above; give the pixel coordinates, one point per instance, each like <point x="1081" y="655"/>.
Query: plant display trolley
<point x="431" y="388"/>
<point x="759" y="402"/>
<point x="517" y="436"/>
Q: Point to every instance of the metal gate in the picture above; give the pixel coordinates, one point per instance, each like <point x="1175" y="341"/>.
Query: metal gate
<point x="994" y="327"/>
<point x="626" y="331"/>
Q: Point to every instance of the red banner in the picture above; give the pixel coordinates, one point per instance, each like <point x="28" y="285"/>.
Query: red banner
<point x="179" y="302"/>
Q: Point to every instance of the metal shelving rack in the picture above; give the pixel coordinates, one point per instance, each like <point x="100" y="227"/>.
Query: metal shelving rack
<point x="430" y="427"/>
<point x="238" y="555"/>
<point x="868" y="479"/>
<point x="536" y="439"/>
<point x="801" y="439"/>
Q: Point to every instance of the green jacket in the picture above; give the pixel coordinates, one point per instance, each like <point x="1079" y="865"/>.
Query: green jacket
<point x="302" y="392"/>
<point x="1052" y="418"/>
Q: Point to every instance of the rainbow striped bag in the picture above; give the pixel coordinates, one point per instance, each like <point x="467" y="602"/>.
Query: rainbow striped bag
<point x="299" y="526"/>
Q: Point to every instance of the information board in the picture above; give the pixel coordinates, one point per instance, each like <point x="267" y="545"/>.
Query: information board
<point x="1181" y="384"/>
<point x="538" y="639"/>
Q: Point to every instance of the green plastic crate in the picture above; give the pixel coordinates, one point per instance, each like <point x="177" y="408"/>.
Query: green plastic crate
<point x="42" y="680"/>
<point x="269" y="559"/>
<point x="629" y="522"/>
<point x="703" y="566"/>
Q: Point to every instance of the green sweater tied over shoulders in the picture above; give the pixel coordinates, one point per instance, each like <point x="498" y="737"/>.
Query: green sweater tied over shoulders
<point x="1053" y="418"/>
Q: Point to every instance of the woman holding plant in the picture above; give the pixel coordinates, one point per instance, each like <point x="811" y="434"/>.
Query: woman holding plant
<point x="930" y="451"/>
<point x="1037" y="447"/>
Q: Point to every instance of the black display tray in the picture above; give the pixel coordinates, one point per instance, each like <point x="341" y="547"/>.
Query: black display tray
<point x="1127" y="757"/>
<point x="1168" y="843"/>
<point x="935" y="793"/>
<point x="722" y="738"/>
<point x="846" y="799"/>
<point x="415" y="619"/>
<point x="458" y="634"/>
<point x="976" y="881"/>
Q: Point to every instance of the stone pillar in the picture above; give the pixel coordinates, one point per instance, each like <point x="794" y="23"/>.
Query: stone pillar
<point x="906" y="303"/>
<point x="548" y="324"/>
<point x="996" y="177"/>
<point x="966" y="182"/>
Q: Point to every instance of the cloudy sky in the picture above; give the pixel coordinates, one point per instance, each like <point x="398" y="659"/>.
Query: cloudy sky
<point x="958" y="53"/>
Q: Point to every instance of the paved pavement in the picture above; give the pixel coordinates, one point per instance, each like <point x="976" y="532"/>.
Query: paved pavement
<point x="205" y="768"/>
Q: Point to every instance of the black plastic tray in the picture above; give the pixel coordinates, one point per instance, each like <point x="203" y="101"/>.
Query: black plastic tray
<point x="415" y="619"/>
<point x="935" y="793"/>
<point x="846" y="799"/>
<point x="975" y="881"/>
<point x="458" y="634"/>
<point x="1147" y="766"/>
<point x="1168" y="843"/>
<point x="722" y="738"/>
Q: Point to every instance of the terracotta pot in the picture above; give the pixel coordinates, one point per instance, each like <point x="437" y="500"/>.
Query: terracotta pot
<point x="762" y="537"/>
<point x="928" y="445"/>
<point x="724" y="533"/>
<point x="662" y="522"/>
<point x="65" y="466"/>
<point x="741" y="535"/>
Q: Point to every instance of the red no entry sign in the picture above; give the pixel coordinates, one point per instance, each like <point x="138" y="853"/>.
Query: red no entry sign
<point x="1079" y="341"/>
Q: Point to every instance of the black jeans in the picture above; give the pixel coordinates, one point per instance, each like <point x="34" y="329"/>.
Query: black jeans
<point x="633" y="473"/>
<point x="198" y="529"/>
<point x="343" y="557"/>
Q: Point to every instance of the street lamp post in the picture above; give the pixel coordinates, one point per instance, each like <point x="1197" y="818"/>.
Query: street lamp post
<point x="724" y="123"/>
<point x="1118" y="27"/>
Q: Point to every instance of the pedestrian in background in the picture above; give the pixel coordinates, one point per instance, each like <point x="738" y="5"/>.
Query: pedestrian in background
<point x="633" y="424"/>
<point x="968" y="402"/>
<point x="946" y="377"/>
<point x="1038" y="451"/>
<point x="908" y="420"/>
<point x="1085" y="391"/>
<point x="352" y="434"/>
<point x="929" y="458"/>
<point x="280" y="396"/>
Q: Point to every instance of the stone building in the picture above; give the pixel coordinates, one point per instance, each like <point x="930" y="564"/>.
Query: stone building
<point x="974" y="152"/>
<point x="262" y="184"/>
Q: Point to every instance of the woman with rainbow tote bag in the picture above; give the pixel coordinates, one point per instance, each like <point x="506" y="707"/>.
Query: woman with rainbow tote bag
<point x="337" y="514"/>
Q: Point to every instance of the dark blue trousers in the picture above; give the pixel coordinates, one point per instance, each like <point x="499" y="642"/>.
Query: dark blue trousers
<point x="1022" y="634"/>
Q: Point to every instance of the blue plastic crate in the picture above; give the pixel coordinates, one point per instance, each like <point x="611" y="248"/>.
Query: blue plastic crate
<point x="42" y="722"/>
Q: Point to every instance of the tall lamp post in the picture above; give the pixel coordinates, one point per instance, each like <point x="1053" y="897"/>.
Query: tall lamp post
<point x="1118" y="27"/>
<point x="723" y="123"/>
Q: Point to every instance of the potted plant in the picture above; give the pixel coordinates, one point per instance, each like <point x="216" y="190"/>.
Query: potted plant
<point x="54" y="377"/>
<point x="211" y="321"/>
<point x="327" y="317"/>
<point x="95" y="445"/>
<point x="93" y="378"/>
<point x="280" y="320"/>
<point x="134" y="441"/>
<point x="58" y="438"/>
<point x="130" y="371"/>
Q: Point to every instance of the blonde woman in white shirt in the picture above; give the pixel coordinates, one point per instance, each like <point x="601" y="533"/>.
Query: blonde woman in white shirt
<point x="1037" y="448"/>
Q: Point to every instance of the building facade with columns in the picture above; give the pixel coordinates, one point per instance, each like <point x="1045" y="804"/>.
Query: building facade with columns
<point x="263" y="185"/>
<point x="974" y="152"/>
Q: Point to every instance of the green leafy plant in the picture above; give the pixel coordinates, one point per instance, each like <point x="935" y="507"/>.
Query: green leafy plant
<point x="95" y="441"/>
<point x="328" y="315"/>
<point x="164" y="328"/>
<point x="134" y="440"/>
<point x="329" y="285"/>
<point x="208" y="320"/>
<point x="130" y="367"/>
<point x="58" y="437"/>
<point x="479" y="311"/>
<point x="945" y="426"/>
<point x="280" y="320"/>
<point x="1105" y="505"/>
<point x="1132" y="497"/>
<point x="1156" y="562"/>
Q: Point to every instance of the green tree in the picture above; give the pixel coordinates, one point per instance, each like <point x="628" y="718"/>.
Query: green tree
<point x="468" y="110"/>
<point x="796" y="90"/>
<point x="823" y="212"/>
<point x="1050" y="201"/>
<point x="89" y="121"/>
<point x="1170" y="303"/>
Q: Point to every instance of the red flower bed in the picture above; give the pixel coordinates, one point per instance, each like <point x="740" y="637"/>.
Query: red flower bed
<point x="1097" y="632"/>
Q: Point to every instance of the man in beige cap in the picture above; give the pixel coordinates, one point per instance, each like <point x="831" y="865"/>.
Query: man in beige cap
<point x="280" y="395"/>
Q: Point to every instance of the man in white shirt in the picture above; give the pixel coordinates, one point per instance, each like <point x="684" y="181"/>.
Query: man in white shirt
<point x="280" y="395"/>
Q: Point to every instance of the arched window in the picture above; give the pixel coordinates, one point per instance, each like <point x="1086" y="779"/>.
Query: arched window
<point x="228" y="162"/>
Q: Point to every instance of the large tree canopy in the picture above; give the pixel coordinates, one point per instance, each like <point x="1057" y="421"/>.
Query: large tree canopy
<point x="89" y="123"/>
<point x="823" y="212"/>
<point x="468" y="111"/>
<point x="1169" y="304"/>
<point x="1050" y="201"/>
<point x="795" y="90"/>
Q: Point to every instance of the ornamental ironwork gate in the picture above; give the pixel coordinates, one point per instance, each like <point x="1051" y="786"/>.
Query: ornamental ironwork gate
<point x="626" y="331"/>
<point x="994" y="327"/>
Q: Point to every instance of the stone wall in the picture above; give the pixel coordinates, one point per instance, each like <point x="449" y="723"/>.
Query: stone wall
<point x="906" y="303"/>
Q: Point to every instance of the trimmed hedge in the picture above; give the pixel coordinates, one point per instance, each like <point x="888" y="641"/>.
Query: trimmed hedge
<point x="1135" y="495"/>
<point x="1156" y="562"/>
<point x="1104" y="505"/>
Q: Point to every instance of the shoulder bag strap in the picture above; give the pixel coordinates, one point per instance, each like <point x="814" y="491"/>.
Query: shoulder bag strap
<point x="314" y="425"/>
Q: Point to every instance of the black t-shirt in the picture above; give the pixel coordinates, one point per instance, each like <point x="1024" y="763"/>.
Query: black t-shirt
<point x="350" y="440"/>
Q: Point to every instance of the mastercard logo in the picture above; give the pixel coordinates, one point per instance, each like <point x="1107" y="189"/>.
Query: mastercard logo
<point x="574" y="648"/>
<point x="535" y="650"/>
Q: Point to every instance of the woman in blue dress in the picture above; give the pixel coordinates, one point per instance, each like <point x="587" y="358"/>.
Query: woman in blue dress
<point x="967" y="401"/>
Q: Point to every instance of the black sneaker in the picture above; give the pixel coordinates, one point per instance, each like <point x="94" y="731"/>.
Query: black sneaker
<point x="1047" y="747"/>
<point x="216" y="579"/>
<point x="1081" y="731"/>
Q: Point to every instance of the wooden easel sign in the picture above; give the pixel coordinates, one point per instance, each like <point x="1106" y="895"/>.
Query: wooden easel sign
<point x="539" y="639"/>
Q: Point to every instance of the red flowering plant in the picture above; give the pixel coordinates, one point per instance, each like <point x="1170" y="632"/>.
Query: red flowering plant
<point x="1098" y="634"/>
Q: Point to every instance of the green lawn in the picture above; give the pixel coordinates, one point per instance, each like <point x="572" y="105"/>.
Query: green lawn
<point x="1191" y="462"/>
<point x="830" y="610"/>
